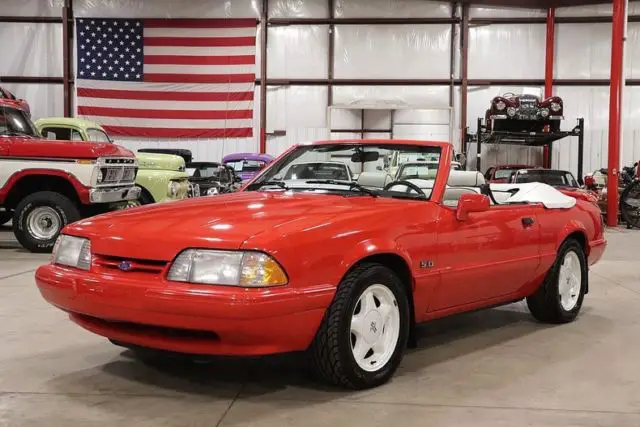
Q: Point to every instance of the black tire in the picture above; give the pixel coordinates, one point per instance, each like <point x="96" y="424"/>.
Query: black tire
<point x="544" y="304"/>
<point x="5" y="217"/>
<point x="145" y="198"/>
<point x="630" y="213"/>
<point x="65" y="209"/>
<point x="330" y="351"/>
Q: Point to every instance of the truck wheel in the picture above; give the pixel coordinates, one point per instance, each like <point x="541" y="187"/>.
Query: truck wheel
<point x="559" y="298"/>
<point x="5" y="217"/>
<point x="39" y="218"/>
<point x="364" y="333"/>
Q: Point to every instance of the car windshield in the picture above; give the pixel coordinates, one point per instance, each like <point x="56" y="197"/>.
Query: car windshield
<point x="246" y="165"/>
<point x="504" y="173"/>
<point x="205" y="171"/>
<point x="351" y="168"/>
<point x="418" y="170"/>
<point x="97" y="135"/>
<point x="16" y="122"/>
<point x="318" y="171"/>
<point x="550" y="177"/>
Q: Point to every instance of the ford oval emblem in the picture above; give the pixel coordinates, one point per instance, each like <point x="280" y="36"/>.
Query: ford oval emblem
<point x="125" y="265"/>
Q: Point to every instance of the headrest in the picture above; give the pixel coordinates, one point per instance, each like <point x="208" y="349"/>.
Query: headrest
<point x="465" y="179"/>
<point x="374" y="179"/>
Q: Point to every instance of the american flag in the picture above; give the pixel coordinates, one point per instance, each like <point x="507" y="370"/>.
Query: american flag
<point x="167" y="78"/>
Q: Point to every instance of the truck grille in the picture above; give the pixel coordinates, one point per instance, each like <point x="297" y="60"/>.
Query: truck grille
<point x="117" y="171"/>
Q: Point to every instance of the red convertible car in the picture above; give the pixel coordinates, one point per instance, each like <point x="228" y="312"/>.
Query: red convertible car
<point x="11" y="100"/>
<point x="341" y="269"/>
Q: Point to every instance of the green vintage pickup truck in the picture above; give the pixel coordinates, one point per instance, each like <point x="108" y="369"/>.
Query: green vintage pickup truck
<point x="162" y="177"/>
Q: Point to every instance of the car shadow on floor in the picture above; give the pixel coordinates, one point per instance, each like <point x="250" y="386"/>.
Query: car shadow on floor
<point x="265" y="375"/>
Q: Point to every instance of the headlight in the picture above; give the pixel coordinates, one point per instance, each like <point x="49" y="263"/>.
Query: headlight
<point x="500" y="105"/>
<point x="511" y="111"/>
<point x="213" y="191"/>
<point x="73" y="252"/>
<point x="544" y="112"/>
<point x="555" y="107"/>
<point x="174" y="188"/>
<point x="100" y="176"/>
<point x="229" y="268"/>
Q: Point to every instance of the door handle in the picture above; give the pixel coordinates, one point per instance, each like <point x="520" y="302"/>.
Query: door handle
<point x="527" y="222"/>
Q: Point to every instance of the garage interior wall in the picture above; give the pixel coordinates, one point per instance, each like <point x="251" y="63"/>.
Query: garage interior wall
<point x="299" y="68"/>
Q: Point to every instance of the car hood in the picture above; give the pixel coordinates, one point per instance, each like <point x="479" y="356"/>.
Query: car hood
<point x="159" y="232"/>
<point x="48" y="148"/>
<point x="153" y="161"/>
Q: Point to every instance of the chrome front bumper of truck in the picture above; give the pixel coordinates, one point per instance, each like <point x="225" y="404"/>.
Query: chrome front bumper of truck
<point x="112" y="195"/>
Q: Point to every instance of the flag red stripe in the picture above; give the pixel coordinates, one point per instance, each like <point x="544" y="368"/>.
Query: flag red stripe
<point x="200" y="41"/>
<point x="165" y="114"/>
<point x="200" y="60"/>
<point x="199" y="78"/>
<point x="179" y="132"/>
<point x="200" y="23"/>
<point x="164" y="96"/>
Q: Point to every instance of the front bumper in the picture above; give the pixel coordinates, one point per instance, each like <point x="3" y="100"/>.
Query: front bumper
<point x="186" y="318"/>
<point x="112" y="195"/>
<point x="524" y="117"/>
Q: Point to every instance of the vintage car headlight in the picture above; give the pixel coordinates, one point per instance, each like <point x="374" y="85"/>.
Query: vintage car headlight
<point x="544" y="112"/>
<point x="229" y="268"/>
<point x="555" y="107"/>
<point x="173" y="189"/>
<point x="72" y="252"/>
<point x="100" y="176"/>
<point x="213" y="191"/>
<point x="500" y="105"/>
<point x="511" y="111"/>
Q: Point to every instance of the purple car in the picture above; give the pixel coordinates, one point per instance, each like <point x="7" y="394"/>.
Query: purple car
<point x="247" y="165"/>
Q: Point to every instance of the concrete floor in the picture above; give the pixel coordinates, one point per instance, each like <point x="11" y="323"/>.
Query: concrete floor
<point x="491" y="368"/>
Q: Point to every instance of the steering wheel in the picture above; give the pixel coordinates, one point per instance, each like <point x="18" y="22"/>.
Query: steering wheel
<point x="408" y="184"/>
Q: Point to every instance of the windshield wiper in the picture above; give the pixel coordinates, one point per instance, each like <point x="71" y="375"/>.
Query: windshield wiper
<point x="351" y="184"/>
<point x="280" y="184"/>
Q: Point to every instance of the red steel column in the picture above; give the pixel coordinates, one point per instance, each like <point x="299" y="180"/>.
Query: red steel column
<point x="263" y="76"/>
<point x="548" y="69"/>
<point x="615" y="107"/>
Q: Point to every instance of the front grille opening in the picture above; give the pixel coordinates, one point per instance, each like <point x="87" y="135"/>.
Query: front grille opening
<point x="113" y="262"/>
<point x="142" y="329"/>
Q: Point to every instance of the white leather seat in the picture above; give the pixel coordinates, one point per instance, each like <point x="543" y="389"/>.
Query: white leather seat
<point x="459" y="183"/>
<point x="376" y="180"/>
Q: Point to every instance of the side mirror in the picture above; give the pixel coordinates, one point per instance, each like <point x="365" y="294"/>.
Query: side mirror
<point x="471" y="202"/>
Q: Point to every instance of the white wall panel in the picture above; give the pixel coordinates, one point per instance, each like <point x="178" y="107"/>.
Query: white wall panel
<point x="346" y="118"/>
<point x="391" y="9"/>
<point x="392" y="51"/>
<point x="424" y="96"/>
<point x="31" y="7"/>
<point x="632" y="58"/>
<point x="377" y="119"/>
<point x="583" y="51"/>
<point x="298" y="51"/>
<point x="167" y="8"/>
<point x="45" y="100"/>
<point x="502" y="51"/>
<point x="595" y="10"/>
<point x="298" y="9"/>
<point x="31" y="49"/>
<point x="504" y="12"/>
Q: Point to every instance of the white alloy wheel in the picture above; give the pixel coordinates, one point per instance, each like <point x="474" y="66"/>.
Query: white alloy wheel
<point x="375" y="328"/>
<point x="44" y="223"/>
<point x="569" y="280"/>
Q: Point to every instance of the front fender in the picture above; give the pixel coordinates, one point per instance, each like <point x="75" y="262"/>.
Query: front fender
<point x="371" y="247"/>
<point x="156" y="182"/>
